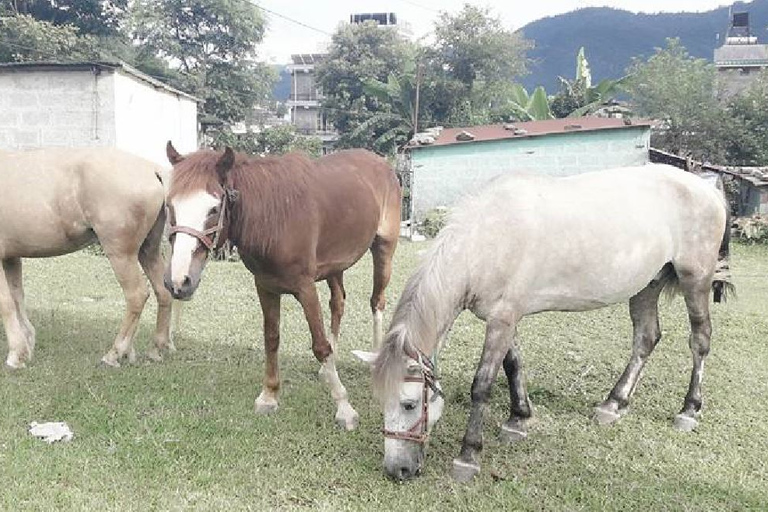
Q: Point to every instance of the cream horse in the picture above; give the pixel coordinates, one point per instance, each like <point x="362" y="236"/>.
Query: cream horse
<point x="532" y="244"/>
<point x="57" y="201"/>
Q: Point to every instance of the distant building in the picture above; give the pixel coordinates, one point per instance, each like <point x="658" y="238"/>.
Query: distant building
<point x="741" y="58"/>
<point x="382" y="18"/>
<point x="85" y="104"/>
<point x="305" y="99"/>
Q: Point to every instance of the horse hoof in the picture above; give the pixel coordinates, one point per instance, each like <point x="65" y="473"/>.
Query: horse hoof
<point x="110" y="362"/>
<point x="265" y="408"/>
<point x="131" y="356"/>
<point x="512" y="433"/>
<point x="154" y="355"/>
<point x="606" y="416"/>
<point x="347" y="418"/>
<point x="685" y="423"/>
<point x="464" y="471"/>
<point x="15" y="363"/>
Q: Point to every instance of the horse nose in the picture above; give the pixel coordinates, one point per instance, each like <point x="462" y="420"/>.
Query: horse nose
<point x="179" y="291"/>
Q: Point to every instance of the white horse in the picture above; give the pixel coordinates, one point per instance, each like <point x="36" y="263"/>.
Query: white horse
<point x="531" y="244"/>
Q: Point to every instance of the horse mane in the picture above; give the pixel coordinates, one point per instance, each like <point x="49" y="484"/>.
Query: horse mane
<point x="271" y="189"/>
<point x="433" y="296"/>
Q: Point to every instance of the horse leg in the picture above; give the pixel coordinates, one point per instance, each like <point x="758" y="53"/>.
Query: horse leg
<point x="644" y="312"/>
<point x="18" y="329"/>
<point x="499" y="333"/>
<point x="515" y="428"/>
<point x="270" y="306"/>
<point x="696" y="293"/>
<point x="126" y="268"/>
<point x="382" y="251"/>
<point x="346" y="416"/>
<point x="151" y="260"/>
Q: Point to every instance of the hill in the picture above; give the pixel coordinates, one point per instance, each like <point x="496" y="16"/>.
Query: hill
<point x="612" y="37"/>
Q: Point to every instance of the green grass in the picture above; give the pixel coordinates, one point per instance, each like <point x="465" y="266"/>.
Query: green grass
<point x="182" y="435"/>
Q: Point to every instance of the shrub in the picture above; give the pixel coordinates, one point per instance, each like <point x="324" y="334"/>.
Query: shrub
<point x="434" y="222"/>
<point x="753" y="230"/>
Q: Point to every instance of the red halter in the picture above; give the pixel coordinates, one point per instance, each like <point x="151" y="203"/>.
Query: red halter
<point x="419" y="432"/>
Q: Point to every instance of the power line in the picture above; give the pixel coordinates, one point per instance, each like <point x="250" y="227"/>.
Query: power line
<point x="421" y="6"/>
<point x="287" y="18"/>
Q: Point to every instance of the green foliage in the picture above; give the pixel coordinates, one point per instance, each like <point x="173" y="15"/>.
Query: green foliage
<point x="748" y="137"/>
<point x="470" y="67"/>
<point x="578" y="97"/>
<point x="433" y="222"/>
<point x="751" y="230"/>
<point x="362" y="54"/>
<point x="100" y="18"/>
<point x="274" y="140"/>
<point x="26" y="39"/>
<point x="212" y="45"/>
<point x="520" y="106"/>
<point x="682" y="93"/>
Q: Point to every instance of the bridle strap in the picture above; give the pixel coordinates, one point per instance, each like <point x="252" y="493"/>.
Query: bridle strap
<point x="204" y="236"/>
<point x="419" y="431"/>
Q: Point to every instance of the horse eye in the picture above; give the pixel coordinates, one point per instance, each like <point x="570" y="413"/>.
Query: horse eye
<point x="213" y="211"/>
<point x="409" y="405"/>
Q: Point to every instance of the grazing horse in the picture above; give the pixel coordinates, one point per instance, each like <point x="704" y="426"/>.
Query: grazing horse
<point x="531" y="244"/>
<point x="58" y="201"/>
<point x="294" y="221"/>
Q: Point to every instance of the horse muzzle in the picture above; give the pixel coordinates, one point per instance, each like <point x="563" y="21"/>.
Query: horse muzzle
<point x="181" y="290"/>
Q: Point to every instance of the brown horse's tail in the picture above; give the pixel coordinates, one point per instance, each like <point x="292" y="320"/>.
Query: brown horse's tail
<point x="722" y="285"/>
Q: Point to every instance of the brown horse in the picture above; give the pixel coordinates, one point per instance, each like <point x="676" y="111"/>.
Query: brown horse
<point x="294" y="221"/>
<point x="57" y="201"/>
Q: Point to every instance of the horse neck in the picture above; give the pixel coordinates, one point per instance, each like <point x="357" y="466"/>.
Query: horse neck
<point x="433" y="298"/>
<point x="267" y="202"/>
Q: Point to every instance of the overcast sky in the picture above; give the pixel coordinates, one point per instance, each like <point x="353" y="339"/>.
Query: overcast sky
<point x="285" y="37"/>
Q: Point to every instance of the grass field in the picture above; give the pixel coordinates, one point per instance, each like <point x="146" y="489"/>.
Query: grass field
<point x="182" y="435"/>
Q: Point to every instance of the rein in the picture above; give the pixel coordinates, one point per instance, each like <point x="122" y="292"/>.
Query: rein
<point x="204" y="236"/>
<point x="419" y="431"/>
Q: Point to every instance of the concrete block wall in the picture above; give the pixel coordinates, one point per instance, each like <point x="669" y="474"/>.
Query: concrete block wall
<point x="443" y="174"/>
<point x="55" y="108"/>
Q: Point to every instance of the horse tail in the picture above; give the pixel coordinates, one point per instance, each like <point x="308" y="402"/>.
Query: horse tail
<point x="722" y="284"/>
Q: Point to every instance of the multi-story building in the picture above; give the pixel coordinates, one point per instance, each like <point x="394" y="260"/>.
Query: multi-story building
<point x="741" y="58"/>
<point x="305" y="99"/>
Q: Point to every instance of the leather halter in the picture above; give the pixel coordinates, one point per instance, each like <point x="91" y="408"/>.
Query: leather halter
<point x="419" y="432"/>
<point x="204" y="236"/>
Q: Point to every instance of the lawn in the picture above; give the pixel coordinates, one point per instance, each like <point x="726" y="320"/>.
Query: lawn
<point x="182" y="434"/>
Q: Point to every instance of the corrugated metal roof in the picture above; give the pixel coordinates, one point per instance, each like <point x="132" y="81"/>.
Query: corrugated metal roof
<point x="532" y="129"/>
<point x="741" y="54"/>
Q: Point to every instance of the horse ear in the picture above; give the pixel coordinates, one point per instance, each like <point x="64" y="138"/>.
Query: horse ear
<point x="173" y="156"/>
<point x="225" y="163"/>
<point x="366" y="357"/>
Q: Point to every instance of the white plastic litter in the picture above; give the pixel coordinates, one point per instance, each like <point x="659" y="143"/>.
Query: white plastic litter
<point x="51" y="432"/>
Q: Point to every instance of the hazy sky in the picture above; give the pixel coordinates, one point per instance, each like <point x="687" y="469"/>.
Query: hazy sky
<point x="285" y="37"/>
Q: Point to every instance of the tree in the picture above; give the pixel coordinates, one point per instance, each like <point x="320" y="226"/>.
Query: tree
<point x="579" y="97"/>
<point x="24" y="39"/>
<point x="274" y="140"/>
<point x="472" y="63"/>
<point x="682" y="93"/>
<point x="360" y="53"/>
<point x="100" y="18"/>
<point x="747" y="138"/>
<point x="212" y="46"/>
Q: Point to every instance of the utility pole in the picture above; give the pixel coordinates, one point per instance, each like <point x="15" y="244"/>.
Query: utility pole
<point x="416" y="108"/>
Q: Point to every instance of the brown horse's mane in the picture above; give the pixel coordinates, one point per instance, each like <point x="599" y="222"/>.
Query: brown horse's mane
<point x="271" y="189"/>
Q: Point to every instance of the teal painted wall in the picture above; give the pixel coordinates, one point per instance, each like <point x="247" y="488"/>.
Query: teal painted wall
<point x="442" y="174"/>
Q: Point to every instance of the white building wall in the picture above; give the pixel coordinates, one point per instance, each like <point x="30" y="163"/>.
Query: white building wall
<point x="56" y="108"/>
<point x="147" y="117"/>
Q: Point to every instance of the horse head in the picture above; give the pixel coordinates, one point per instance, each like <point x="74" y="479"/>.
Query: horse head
<point x="199" y="203"/>
<point x="413" y="402"/>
